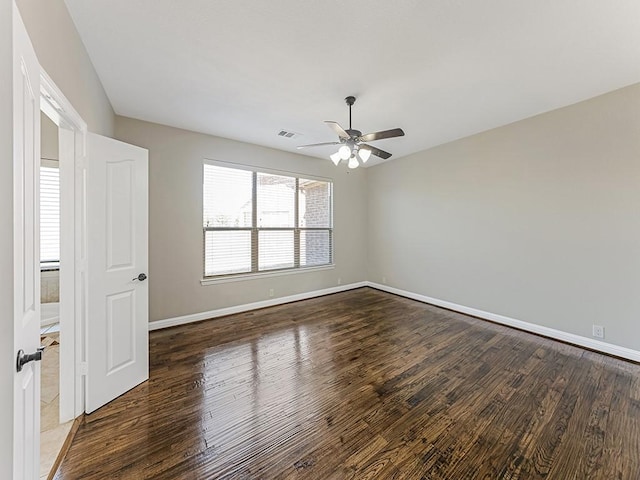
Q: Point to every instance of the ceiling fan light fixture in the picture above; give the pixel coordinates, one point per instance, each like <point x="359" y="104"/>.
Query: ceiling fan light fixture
<point x="345" y="152"/>
<point x="353" y="162"/>
<point x="335" y="158"/>
<point x="364" y="154"/>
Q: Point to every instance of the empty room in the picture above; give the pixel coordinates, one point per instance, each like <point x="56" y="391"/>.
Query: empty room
<point x="320" y="240"/>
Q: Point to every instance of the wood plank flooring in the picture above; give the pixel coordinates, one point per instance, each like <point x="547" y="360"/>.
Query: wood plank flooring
<point x="365" y="385"/>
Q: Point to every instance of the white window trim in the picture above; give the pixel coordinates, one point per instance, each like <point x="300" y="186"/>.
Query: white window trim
<point x="239" y="277"/>
<point x="273" y="171"/>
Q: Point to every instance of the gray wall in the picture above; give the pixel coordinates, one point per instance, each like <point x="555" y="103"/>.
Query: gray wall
<point x="62" y="55"/>
<point x="538" y="220"/>
<point x="48" y="139"/>
<point x="175" y="220"/>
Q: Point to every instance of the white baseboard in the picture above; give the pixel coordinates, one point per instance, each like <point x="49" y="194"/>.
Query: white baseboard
<point x="49" y="314"/>
<point x="552" y="333"/>
<point x="585" y="342"/>
<point x="196" y="317"/>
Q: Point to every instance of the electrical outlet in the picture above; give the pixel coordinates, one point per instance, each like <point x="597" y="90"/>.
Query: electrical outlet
<point x="384" y="280"/>
<point x="598" y="331"/>
<point x="339" y="281"/>
<point x="270" y="292"/>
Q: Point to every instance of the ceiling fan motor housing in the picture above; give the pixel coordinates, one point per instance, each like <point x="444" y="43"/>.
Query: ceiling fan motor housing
<point x="353" y="133"/>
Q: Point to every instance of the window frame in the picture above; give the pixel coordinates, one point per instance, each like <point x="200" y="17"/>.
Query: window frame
<point x="255" y="229"/>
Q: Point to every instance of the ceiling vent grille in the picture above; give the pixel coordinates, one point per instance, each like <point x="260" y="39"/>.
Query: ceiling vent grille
<point x="288" y="134"/>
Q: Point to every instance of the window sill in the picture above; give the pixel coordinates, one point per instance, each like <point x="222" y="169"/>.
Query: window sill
<point x="255" y="276"/>
<point x="49" y="269"/>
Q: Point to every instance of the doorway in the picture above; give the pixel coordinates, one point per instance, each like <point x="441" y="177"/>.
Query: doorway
<point x="61" y="394"/>
<point x="112" y="190"/>
<point x="53" y="432"/>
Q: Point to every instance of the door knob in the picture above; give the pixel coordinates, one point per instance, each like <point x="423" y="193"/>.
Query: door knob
<point x="23" y="359"/>
<point x="142" y="277"/>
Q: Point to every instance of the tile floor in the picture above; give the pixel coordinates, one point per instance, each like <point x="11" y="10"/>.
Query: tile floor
<point x="52" y="433"/>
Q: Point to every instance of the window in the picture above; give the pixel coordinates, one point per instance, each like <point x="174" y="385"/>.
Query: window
<point x="49" y="215"/>
<point x="256" y="221"/>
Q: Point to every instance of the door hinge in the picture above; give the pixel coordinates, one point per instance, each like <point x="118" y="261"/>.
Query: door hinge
<point x="83" y="369"/>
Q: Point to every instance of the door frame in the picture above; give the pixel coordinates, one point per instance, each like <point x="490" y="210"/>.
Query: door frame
<point x="72" y="132"/>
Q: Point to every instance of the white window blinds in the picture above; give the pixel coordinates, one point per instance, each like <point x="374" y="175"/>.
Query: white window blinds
<point x="258" y="221"/>
<point x="49" y="215"/>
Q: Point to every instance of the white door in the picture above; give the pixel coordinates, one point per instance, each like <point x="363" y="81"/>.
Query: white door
<point x="117" y="247"/>
<point x="26" y="251"/>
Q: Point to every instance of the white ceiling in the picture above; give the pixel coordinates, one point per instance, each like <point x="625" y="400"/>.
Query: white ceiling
<point x="439" y="69"/>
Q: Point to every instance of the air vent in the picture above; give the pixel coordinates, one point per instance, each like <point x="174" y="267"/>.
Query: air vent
<point x="288" y="134"/>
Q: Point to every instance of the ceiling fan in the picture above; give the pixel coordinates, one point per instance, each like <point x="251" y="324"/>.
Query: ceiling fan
<point x="353" y="141"/>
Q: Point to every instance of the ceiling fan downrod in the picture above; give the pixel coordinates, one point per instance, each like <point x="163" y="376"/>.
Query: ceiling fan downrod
<point x="350" y="101"/>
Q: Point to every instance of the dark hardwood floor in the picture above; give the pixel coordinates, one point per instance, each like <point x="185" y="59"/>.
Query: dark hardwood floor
<point x="365" y="385"/>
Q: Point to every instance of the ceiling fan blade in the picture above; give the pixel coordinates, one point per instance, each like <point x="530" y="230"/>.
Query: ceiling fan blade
<point x="338" y="129"/>
<point x="376" y="151"/>
<point x="318" y="144"/>
<point x="370" y="137"/>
